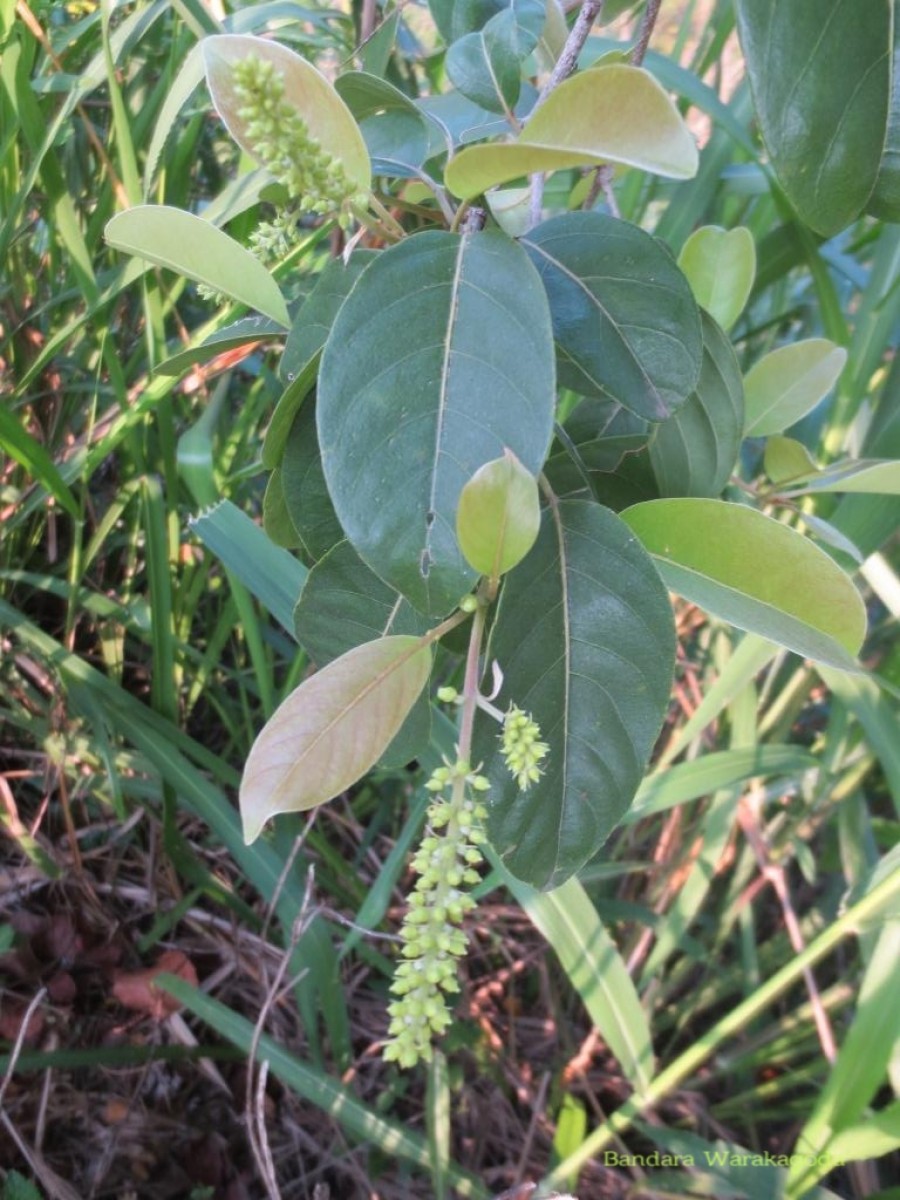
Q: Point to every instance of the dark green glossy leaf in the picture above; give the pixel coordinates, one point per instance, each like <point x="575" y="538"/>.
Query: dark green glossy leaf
<point x="395" y="131"/>
<point x="625" y="321"/>
<point x="456" y="18"/>
<point x="344" y="604"/>
<point x="300" y="361"/>
<point x="885" y="201"/>
<point x="305" y="492"/>
<point x="276" y="518"/>
<point x="485" y="65"/>
<point x="596" y="438"/>
<point x="820" y="72"/>
<point x="585" y="639"/>
<point x="694" y="452"/>
<point x="440" y="359"/>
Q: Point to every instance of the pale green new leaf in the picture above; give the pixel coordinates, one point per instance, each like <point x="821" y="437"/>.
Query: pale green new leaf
<point x="720" y="265"/>
<point x="170" y="237"/>
<point x="758" y="574"/>
<point x="332" y="729"/>
<point x="864" y="475"/>
<point x="786" y="459"/>
<point x="877" y="1134"/>
<point x="615" y="114"/>
<point x="327" y="117"/>
<point x="499" y="516"/>
<point x="788" y="383"/>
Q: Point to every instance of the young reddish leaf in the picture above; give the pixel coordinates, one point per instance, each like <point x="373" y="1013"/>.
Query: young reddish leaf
<point x="499" y="516"/>
<point x="332" y="729"/>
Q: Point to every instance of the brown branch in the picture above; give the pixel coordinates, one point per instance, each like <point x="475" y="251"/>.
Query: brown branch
<point x="568" y="59"/>
<point x="651" y="12"/>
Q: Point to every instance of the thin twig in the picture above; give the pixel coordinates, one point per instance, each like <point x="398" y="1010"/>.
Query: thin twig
<point x="565" y="65"/>
<point x="748" y="818"/>
<point x="20" y="1039"/>
<point x="602" y="181"/>
<point x="254" y="1114"/>
<point x="568" y="59"/>
<point x="651" y="12"/>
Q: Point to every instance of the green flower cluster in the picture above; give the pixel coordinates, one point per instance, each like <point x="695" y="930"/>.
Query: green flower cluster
<point x="432" y="938"/>
<point x="282" y="141"/>
<point x="272" y="240"/>
<point x="522" y="748"/>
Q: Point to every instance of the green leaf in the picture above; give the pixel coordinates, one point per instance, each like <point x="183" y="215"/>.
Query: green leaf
<point x="721" y="769"/>
<point x="720" y="265"/>
<point x="625" y="321"/>
<point x="299" y="365"/>
<point x="344" y="604"/>
<point x="271" y="574"/>
<point x="615" y="114"/>
<point x="569" y="921"/>
<point x="396" y="133"/>
<point x="440" y="359"/>
<point x="758" y="574"/>
<point x="170" y="237"/>
<point x="786" y="458"/>
<point x="313" y="322"/>
<point x="860" y="475"/>
<point x="485" y="65"/>
<point x="862" y="1063"/>
<point x="694" y="452"/>
<point x="238" y="333"/>
<point x="885" y="199"/>
<point x="20" y="445"/>
<point x="584" y="638"/>
<point x="306" y="496"/>
<point x="595" y="438"/>
<point x="332" y="729"/>
<point x="327" y="117"/>
<point x="276" y="519"/>
<point x="455" y="18"/>
<point x="499" y="516"/>
<point x="571" y="1128"/>
<point x="824" y="121"/>
<point x="788" y="383"/>
<point x="17" y="1187"/>
<point x="877" y="1134"/>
